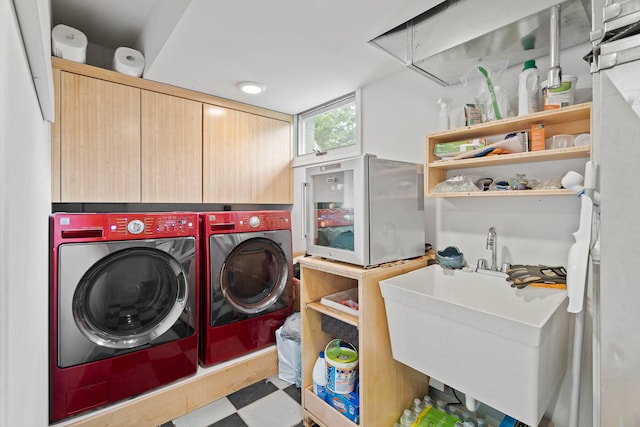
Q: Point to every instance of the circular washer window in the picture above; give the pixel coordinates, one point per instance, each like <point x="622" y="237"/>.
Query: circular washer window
<point x="254" y="275"/>
<point x="130" y="297"/>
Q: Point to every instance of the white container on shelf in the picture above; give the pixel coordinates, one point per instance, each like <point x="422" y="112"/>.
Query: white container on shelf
<point x="528" y="89"/>
<point x="69" y="43"/>
<point x="320" y="376"/>
<point x="563" y="96"/>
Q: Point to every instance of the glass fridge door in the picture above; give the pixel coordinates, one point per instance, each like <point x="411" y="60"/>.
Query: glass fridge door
<point x="334" y="210"/>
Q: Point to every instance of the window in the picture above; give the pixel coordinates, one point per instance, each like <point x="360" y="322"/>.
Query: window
<point x="329" y="131"/>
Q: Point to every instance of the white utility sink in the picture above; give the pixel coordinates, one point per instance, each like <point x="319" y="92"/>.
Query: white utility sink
<point x="500" y="345"/>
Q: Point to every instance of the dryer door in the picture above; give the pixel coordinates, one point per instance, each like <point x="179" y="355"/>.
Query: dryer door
<point x="250" y="271"/>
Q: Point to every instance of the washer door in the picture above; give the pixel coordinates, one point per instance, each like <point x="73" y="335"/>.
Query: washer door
<point x="254" y="275"/>
<point x="130" y="298"/>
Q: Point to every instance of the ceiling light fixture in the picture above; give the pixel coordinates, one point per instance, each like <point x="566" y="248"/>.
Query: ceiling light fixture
<point x="251" y="87"/>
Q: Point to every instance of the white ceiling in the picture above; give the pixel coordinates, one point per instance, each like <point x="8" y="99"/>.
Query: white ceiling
<point x="306" y="52"/>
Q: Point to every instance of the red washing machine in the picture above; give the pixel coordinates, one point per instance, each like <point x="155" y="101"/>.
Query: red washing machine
<point x="247" y="285"/>
<point x="124" y="306"/>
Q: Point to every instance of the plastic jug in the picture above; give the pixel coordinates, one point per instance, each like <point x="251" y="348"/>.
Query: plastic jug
<point x="320" y="376"/>
<point x="529" y="89"/>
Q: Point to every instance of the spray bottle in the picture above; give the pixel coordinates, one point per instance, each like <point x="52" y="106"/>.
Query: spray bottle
<point x="444" y="114"/>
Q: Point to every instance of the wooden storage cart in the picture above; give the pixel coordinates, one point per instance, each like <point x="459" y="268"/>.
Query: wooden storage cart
<point x="387" y="387"/>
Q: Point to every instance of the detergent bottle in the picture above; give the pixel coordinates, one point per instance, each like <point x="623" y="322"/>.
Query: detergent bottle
<point x="528" y="89"/>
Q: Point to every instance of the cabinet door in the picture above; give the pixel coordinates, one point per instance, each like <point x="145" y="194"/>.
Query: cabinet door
<point x="55" y="140"/>
<point x="171" y="149"/>
<point x="247" y="158"/>
<point x="100" y="140"/>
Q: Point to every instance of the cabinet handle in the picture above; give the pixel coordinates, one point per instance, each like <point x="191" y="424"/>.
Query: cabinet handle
<point x="304" y="211"/>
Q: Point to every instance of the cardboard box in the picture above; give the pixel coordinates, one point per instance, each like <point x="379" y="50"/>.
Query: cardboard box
<point x="347" y="404"/>
<point x="296" y="294"/>
<point x="450" y="149"/>
<point x="537" y="137"/>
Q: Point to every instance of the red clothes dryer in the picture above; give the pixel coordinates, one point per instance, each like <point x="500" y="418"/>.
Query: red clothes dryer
<point x="124" y="306"/>
<point x="247" y="281"/>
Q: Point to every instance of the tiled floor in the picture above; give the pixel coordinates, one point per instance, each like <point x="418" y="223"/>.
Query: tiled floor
<point x="267" y="403"/>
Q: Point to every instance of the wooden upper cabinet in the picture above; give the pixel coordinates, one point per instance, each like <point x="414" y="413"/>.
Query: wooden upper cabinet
<point x="171" y="149"/>
<point x="247" y="158"/>
<point x="100" y="140"/>
<point x="123" y="139"/>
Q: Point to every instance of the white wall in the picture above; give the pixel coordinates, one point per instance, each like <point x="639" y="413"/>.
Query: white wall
<point x="24" y="207"/>
<point x="397" y="115"/>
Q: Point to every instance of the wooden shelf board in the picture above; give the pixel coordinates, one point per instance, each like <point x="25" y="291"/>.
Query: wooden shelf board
<point x="515" y="158"/>
<point x="508" y="193"/>
<point x="332" y="312"/>
<point x="572" y="113"/>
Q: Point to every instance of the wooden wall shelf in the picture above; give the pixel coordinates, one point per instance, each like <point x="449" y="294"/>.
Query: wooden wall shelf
<point x="571" y="120"/>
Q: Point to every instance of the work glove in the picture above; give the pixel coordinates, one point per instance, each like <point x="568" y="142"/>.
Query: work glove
<point x="523" y="275"/>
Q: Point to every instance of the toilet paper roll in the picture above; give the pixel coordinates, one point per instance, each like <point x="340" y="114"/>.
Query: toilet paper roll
<point x="128" y="61"/>
<point x="69" y="43"/>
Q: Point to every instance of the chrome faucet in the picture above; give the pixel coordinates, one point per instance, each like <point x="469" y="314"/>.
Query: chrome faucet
<point x="492" y="243"/>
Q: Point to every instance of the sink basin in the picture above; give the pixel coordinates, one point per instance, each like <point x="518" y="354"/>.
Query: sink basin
<point x="502" y="346"/>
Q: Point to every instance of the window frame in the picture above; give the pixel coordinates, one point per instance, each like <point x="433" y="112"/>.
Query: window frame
<point x="335" y="153"/>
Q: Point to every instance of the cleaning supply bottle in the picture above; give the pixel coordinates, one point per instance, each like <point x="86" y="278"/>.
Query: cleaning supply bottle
<point x="320" y="376"/>
<point x="417" y="407"/>
<point x="407" y="418"/>
<point x="427" y="401"/>
<point x="444" y="114"/>
<point x="528" y="89"/>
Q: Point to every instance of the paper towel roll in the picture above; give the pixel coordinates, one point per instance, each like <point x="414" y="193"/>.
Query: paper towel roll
<point x="69" y="43"/>
<point x="128" y="61"/>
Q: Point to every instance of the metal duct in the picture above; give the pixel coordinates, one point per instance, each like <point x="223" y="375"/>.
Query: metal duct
<point x="447" y="40"/>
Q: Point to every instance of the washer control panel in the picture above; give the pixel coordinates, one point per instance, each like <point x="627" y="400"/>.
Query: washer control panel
<point x="122" y="226"/>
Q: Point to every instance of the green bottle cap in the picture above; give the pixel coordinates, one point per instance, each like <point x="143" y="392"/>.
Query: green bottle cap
<point x="531" y="63"/>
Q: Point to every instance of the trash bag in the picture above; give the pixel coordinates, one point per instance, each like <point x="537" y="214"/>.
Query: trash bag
<point x="291" y="327"/>
<point x="483" y="83"/>
<point x="289" y="359"/>
<point x="458" y="183"/>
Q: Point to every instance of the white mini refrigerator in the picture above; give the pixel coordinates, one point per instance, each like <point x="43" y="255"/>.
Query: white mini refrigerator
<point x="365" y="210"/>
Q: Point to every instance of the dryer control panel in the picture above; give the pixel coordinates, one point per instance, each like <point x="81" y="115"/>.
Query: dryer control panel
<point x="152" y="225"/>
<point x="246" y="221"/>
